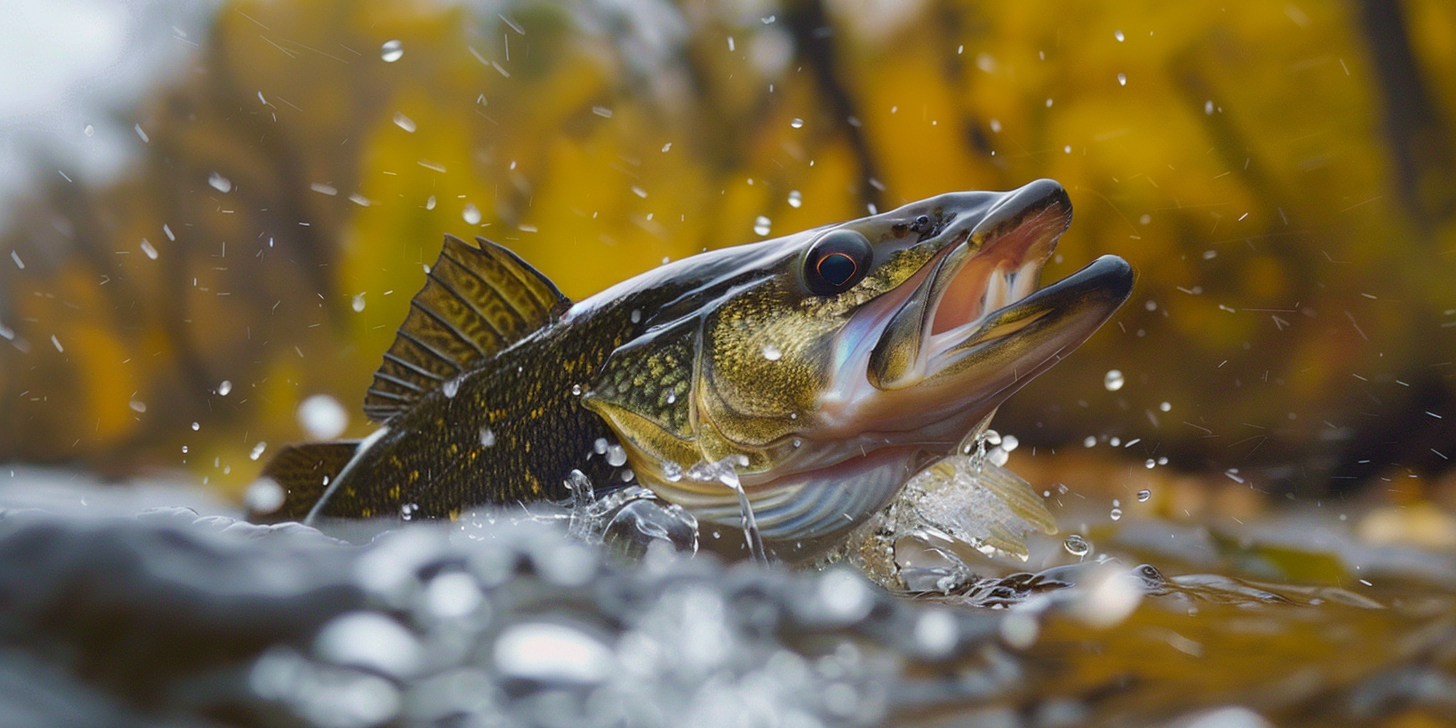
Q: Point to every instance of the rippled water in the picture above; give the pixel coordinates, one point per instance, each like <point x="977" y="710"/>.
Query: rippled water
<point x="114" y="612"/>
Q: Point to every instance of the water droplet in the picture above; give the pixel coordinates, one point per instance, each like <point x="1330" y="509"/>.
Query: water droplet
<point x="196" y="426"/>
<point x="1163" y="461"/>
<point x="404" y="122"/>
<point x="1090" y="441"/>
<point x="1165" y="406"/>
<point x="1150" y="463"/>
<point x="224" y="388"/>
<point x="576" y="389"/>
<point x="1113" y="380"/>
<point x="391" y="51"/>
<point x="487" y="437"/>
<point x="1116" y="513"/>
<point x="137" y="406"/>
<point x="1076" y="545"/>
<point x="454" y="594"/>
<point x="1009" y="443"/>
<point x="1208" y="107"/>
<point x="264" y="495"/>
<point x="89" y="130"/>
<point x="1143" y="495"/>
<point x="797" y="123"/>
<point x="407" y="511"/>
<point x="795" y="199"/>
<point x="600" y="446"/>
<point x="322" y="417"/>
<point x="672" y="397"/>
<point x="761" y="225"/>
<point x="997" y="456"/>
<point x="450" y="387"/>
<point x="636" y="315"/>
<point x="358" y="303"/>
<point x="257" y="451"/>
<point x="220" y="183"/>
<point x="430" y="203"/>
<point x="471" y="214"/>
<point x="184" y="449"/>
<point x="772" y="352"/>
<point x="1115" y="441"/>
<point x="1118" y="35"/>
<point x="548" y="652"/>
<point x="148" y="249"/>
<point x="616" y="456"/>
<point x="1122" y="79"/>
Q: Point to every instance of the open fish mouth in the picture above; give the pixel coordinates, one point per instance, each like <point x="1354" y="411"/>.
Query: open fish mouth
<point x="971" y="327"/>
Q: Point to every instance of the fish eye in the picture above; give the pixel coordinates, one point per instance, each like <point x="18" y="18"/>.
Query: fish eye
<point x="836" y="262"/>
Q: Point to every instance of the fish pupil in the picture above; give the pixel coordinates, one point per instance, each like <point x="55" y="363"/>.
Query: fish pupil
<point x="837" y="268"/>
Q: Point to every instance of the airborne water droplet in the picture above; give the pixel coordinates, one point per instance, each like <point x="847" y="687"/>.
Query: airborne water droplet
<point x="224" y="388"/>
<point x="1165" y="406"/>
<point x="196" y="426"/>
<point x="761" y="225"/>
<point x="797" y="123"/>
<point x="1122" y="79"/>
<point x="1090" y="441"/>
<point x="391" y="51"/>
<point x="220" y="183"/>
<point x="258" y="451"/>
<point x="148" y="249"/>
<point x="1116" y="513"/>
<point x="430" y="203"/>
<point x="450" y="387"/>
<point x="1113" y="380"/>
<point x="616" y="456"/>
<point x="1118" y="35"/>
<point x="322" y="417"/>
<point x="487" y="437"/>
<point x="1144" y="494"/>
<point x="795" y="199"/>
<point x="358" y="303"/>
<point x="576" y="389"/>
<point x="1150" y="463"/>
<point x="471" y="214"/>
<point x="1077" y="546"/>
<point x="404" y="122"/>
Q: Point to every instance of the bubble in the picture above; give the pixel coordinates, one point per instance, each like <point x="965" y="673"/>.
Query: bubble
<point x="1144" y="494"/>
<point x="487" y="437"/>
<point x="795" y="199"/>
<point x="264" y="495"/>
<point x="772" y="352"/>
<point x="761" y="225"/>
<point x="391" y="51"/>
<point x="1077" y="546"/>
<point x="322" y="417"/>
<point x="1113" y="380"/>
<point x="471" y="214"/>
<point x="220" y="183"/>
<point x="225" y="387"/>
<point x="358" y="303"/>
<point x="797" y="123"/>
<point x="1116" y="514"/>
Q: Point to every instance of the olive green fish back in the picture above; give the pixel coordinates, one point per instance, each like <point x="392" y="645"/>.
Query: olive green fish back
<point x="476" y="302"/>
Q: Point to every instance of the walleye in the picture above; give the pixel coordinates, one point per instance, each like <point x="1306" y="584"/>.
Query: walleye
<point x="830" y="365"/>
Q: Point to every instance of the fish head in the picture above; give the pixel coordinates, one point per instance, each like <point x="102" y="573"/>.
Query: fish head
<point x="827" y="366"/>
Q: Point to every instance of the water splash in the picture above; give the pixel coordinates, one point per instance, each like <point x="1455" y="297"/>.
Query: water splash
<point x="723" y="471"/>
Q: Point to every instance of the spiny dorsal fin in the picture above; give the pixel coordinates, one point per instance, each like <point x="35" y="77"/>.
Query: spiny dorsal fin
<point x="476" y="302"/>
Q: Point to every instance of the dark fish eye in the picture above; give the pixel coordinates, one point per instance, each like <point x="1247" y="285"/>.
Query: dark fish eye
<point x="836" y="262"/>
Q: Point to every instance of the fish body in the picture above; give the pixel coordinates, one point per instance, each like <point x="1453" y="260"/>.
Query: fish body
<point x="825" y="367"/>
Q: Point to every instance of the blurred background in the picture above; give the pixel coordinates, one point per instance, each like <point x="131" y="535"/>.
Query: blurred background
<point x="212" y="211"/>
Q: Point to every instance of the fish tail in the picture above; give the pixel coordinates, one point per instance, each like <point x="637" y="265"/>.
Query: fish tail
<point x="304" y="472"/>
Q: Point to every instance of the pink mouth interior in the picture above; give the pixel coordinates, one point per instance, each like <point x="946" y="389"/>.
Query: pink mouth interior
<point x="964" y="299"/>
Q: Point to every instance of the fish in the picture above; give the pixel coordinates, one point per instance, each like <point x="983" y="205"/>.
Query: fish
<point x="825" y="367"/>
